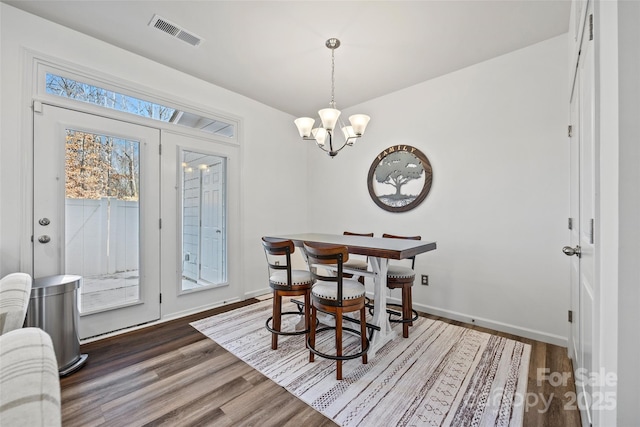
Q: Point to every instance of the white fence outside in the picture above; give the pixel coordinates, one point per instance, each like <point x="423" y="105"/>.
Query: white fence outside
<point x="102" y="236"/>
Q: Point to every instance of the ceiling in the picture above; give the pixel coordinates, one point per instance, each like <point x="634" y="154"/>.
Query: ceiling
<point x="274" y="51"/>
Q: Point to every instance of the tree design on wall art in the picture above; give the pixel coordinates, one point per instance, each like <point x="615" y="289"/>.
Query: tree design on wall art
<point x="400" y="178"/>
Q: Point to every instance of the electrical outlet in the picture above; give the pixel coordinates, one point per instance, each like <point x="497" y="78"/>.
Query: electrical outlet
<point x="425" y="280"/>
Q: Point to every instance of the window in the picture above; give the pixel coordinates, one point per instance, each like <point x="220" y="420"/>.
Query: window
<point x="102" y="216"/>
<point x="74" y="89"/>
<point x="204" y="258"/>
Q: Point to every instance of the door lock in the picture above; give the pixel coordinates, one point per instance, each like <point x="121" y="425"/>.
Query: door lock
<point x="569" y="251"/>
<point x="44" y="239"/>
<point x="44" y="221"/>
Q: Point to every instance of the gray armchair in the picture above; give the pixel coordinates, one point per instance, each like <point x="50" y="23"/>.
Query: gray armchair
<point x="29" y="381"/>
<point x="15" y="291"/>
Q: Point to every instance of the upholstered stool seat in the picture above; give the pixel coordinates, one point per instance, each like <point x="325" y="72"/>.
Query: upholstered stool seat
<point x="351" y="289"/>
<point x="357" y="264"/>
<point x="298" y="278"/>
<point x="400" y="272"/>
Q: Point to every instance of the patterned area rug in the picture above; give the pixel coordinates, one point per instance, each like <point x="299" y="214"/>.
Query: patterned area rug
<point x="442" y="375"/>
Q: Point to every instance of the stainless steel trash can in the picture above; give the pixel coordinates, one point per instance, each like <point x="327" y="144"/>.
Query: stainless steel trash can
<point x="53" y="307"/>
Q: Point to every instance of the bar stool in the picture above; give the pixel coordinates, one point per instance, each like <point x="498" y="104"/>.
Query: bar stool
<point x="285" y="281"/>
<point x="354" y="263"/>
<point x="399" y="276"/>
<point x="337" y="295"/>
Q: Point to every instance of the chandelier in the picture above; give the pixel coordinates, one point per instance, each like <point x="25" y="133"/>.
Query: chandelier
<point x="330" y="117"/>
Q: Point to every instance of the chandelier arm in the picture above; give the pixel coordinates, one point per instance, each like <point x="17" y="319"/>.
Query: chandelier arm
<point x="348" y="142"/>
<point x="333" y="152"/>
<point x="330" y="141"/>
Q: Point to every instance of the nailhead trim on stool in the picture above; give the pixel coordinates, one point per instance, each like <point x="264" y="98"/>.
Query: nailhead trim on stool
<point x="400" y="272"/>
<point x="351" y="289"/>
<point x="357" y="264"/>
<point x="298" y="277"/>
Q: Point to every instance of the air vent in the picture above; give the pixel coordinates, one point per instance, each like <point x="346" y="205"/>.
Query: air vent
<point x="175" y="30"/>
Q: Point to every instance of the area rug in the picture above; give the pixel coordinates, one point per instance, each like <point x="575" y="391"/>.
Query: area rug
<point x="442" y="375"/>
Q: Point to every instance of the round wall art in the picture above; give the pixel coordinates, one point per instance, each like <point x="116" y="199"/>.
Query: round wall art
<point x="400" y="178"/>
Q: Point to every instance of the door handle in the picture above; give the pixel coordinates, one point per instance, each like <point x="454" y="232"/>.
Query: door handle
<point x="569" y="251"/>
<point x="44" y="239"/>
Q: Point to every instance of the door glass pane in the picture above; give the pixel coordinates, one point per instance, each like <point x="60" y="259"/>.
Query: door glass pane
<point x="102" y="190"/>
<point x="204" y="259"/>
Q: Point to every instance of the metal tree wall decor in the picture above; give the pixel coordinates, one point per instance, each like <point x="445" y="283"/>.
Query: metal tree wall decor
<point x="400" y="178"/>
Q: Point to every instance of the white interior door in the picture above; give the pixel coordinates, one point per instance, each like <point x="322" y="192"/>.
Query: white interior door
<point x="574" y="235"/>
<point x="211" y="227"/>
<point x="583" y="292"/>
<point x="96" y="214"/>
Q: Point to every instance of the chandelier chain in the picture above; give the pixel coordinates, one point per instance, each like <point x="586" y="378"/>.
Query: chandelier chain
<point x="333" y="78"/>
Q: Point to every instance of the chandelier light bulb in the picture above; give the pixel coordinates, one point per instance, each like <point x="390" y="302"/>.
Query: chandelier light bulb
<point x="304" y="124"/>
<point x="348" y="132"/>
<point x="329" y="117"/>
<point x="320" y="134"/>
<point x="359" y="123"/>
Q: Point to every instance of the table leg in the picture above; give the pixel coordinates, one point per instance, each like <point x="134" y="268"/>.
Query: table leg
<point x="380" y="316"/>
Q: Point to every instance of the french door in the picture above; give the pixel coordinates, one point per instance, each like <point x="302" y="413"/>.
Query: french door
<point x="96" y="210"/>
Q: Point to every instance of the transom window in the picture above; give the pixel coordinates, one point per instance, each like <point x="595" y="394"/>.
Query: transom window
<point x="74" y="89"/>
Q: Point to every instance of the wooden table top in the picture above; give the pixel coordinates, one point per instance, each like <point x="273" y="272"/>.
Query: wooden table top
<point x="371" y="246"/>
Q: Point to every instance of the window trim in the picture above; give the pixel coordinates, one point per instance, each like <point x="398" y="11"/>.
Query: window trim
<point x="42" y="66"/>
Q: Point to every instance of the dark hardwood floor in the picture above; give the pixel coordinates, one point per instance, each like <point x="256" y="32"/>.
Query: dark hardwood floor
<point x="170" y="374"/>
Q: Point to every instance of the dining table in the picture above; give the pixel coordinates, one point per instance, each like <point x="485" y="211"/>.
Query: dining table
<point x="379" y="251"/>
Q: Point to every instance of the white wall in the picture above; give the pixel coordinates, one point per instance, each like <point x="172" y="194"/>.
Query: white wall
<point x="629" y="211"/>
<point x="495" y="134"/>
<point x="270" y="179"/>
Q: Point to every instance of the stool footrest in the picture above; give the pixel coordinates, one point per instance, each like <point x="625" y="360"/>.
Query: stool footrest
<point x="399" y="314"/>
<point x="333" y="356"/>
<point x="391" y="312"/>
<point x="371" y="327"/>
<point x="273" y="331"/>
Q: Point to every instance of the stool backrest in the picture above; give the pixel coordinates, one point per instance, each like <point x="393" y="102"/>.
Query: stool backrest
<point x="349" y="233"/>
<point x="327" y="254"/>
<point x="393" y="236"/>
<point x="278" y="253"/>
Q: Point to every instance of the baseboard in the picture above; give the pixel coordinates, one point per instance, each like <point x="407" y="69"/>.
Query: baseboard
<point x="448" y="314"/>
<point x="258" y="293"/>
<point x="173" y="316"/>
<point x="199" y="309"/>
<point x="487" y="323"/>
